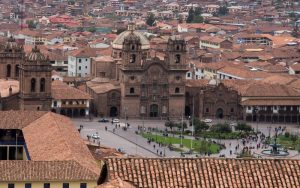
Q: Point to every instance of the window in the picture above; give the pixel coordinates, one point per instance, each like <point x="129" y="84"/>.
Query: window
<point x="177" y="47"/>
<point x="46" y="185"/>
<point x="113" y="95"/>
<point x="82" y="185"/>
<point x="8" y="70"/>
<point x="85" y="67"/>
<point x="131" y="90"/>
<point x="32" y="86"/>
<point x="17" y="70"/>
<point x="27" y="185"/>
<point x="79" y="68"/>
<point x="42" y="85"/>
<point x="132" y="47"/>
<point x="189" y="75"/>
<point x="55" y="103"/>
<point x="132" y="58"/>
<point x="249" y="107"/>
<point x="231" y="110"/>
<point x="206" y="110"/>
<point x="79" y="60"/>
<point x="65" y="62"/>
<point x="177" y="78"/>
<point x="177" y="90"/>
<point x="177" y="58"/>
<point x="86" y="59"/>
<point x="131" y="77"/>
<point x="11" y="185"/>
<point x="65" y="185"/>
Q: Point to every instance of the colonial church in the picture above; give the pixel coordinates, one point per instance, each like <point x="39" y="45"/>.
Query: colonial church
<point x="33" y="71"/>
<point x="142" y="86"/>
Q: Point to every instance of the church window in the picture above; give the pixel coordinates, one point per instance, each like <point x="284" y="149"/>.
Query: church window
<point x="120" y="54"/>
<point x="131" y="90"/>
<point x="55" y="103"/>
<point x="177" y="47"/>
<point x="113" y="95"/>
<point x="32" y="85"/>
<point x="177" y="58"/>
<point x="132" y="58"/>
<point x="177" y="90"/>
<point x="231" y="110"/>
<point x="132" y="47"/>
<point x="42" y="85"/>
<point x="17" y="70"/>
<point x="8" y="70"/>
<point x="131" y="77"/>
<point x="207" y="110"/>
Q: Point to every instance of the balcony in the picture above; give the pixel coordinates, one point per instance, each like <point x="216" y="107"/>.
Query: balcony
<point x="74" y="106"/>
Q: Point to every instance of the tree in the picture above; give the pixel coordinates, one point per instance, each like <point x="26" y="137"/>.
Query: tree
<point x="170" y="124"/>
<point x="181" y="126"/>
<point x="198" y="19"/>
<point x="243" y="127"/>
<point x="31" y="24"/>
<point x="222" y="11"/>
<point x="92" y="29"/>
<point x="190" y="17"/>
<point x="150" y="20"/>
<point x="199" y="125"/>
<point x="221" y="128"/>
<point x="296" y="31"/>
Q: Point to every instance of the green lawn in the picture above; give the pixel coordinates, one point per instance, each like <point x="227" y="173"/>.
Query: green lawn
<point x="203" y="146"/>
<point x="288" y="143"/>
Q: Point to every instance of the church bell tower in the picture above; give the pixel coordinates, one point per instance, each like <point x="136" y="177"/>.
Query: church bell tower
<point x="35" y="82"/>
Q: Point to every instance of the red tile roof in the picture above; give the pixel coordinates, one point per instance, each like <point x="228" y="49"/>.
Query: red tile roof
<point x="206" y="172"/>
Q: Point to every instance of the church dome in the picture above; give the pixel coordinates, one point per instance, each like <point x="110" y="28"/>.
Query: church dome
<point x="12" y="46"/>
<point x="36" y="55"/>
<point x="130" y="33"/>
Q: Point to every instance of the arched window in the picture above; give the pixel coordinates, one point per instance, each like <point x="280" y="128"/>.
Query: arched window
<point x="8" y="71"/>
<point x="120" y="54"/>
<point x="132" y="47"/>
<point x="132" y="58"/>
<point x="177" y="58"/>
<point x="177" y="90"/>
<point x="42" y="85"/>
<point x="131" y="90"/>
<point x="177" y="47"/>
<point x="17" y="71"/>
<point x="32" y="85"/>
<point x="113" y="95"/>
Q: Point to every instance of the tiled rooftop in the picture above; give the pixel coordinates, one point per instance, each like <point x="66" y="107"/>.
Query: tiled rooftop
<point x="206" y="172"/>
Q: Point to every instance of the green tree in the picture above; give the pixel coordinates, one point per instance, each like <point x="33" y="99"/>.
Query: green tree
<point x="199" y="125"/>
<point x="92" y="29"/>
<point x="150" y="20"/>
<point x="243" y="127"/>
<point x="191" y="15"/>
<point x="222" y="11"/>
<point x="180" y="125"/>
<point x="221" y="128"/>
<point x="31" y="24"/>
<point x="198" y="19"/>
<point x="170" y="124"/>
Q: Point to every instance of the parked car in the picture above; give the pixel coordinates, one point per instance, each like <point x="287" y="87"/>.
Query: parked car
<point x="207" y="120"/>
<point x="103" y="120"/>
<point x="95" y="136"/>
<point x="115" y="121"/>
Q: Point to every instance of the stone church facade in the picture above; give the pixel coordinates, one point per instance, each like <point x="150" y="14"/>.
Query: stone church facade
<point x="34" y="74"/>
<point x="149" y="87"/>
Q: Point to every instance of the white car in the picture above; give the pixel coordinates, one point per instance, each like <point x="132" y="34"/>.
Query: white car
<point x="116" y="121"/>
<point x="95" y="136"/>
<point x="207" y="120"/>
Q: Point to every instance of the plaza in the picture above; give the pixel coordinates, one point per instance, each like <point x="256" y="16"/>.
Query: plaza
<point x="134" y="144"/>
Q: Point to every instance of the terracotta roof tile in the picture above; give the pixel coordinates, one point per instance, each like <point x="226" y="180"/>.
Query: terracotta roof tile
<point x="44" y="171"/>
<point x="206" y="172"/>
<point x="60" y="90"/>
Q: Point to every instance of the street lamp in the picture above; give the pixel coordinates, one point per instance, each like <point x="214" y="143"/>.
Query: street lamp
<point x="255" y="110"/>
<point x="192" y="124"/>
<point x="181" y="141"/>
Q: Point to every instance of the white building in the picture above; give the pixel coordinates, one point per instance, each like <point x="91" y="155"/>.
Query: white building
<point x="79" y="62"/>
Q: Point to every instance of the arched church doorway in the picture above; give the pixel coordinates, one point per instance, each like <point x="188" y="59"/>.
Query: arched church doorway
<point x="219" y="113"/>
<point x="187" y="111"/>
<point x="154" y="110"/>
<point x="113" y="112"/>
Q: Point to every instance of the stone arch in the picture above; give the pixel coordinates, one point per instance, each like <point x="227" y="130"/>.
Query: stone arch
<point x="113" y="112"/>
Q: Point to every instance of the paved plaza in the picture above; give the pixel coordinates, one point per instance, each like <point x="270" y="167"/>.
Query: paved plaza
<point x="134" y="144"/>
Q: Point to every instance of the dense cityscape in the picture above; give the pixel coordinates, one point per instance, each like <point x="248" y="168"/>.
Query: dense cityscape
<point x="149" y="93"/>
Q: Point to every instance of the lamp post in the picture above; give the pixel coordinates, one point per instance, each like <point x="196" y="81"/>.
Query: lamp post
<point x="255" y="110"/>
<point x="181" y="140"/>
<point x="192" y="124"/>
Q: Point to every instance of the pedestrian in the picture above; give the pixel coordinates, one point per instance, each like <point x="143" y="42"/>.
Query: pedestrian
<point x="157" y="151"/>
<point x="160" y="153"/>
<point x="154" y="146"/>
<point x="230" y="152"/>
<point x="105" y="128"/>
